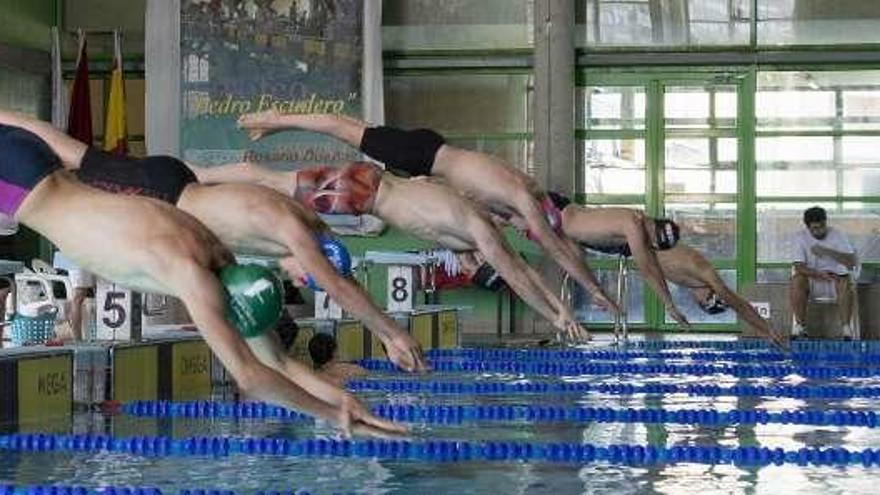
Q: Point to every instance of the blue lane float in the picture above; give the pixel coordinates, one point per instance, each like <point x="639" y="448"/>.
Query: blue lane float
<point x="738" y="345"/>
<point x="556" y="368"/>
<point x="210" y="409"/>
<point x="486" y="354"/>
<point x="456" y="414"/>
<point x="490" y="388"/>
<point x="122" y="490"/>
<point x="440" y="450"/>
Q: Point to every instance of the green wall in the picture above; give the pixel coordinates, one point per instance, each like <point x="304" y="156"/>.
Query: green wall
<point x="26" y="23"/>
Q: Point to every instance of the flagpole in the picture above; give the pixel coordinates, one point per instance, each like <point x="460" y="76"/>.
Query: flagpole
<point x="59" y="93"/>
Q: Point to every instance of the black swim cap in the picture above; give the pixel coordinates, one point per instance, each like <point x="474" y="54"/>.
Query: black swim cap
<point x="666" y="233"/>
<point x="487" y="278"/>
<point x="713" y="305"/>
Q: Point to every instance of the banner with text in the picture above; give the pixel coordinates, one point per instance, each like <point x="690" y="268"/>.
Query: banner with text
<point x="293" y="56"/>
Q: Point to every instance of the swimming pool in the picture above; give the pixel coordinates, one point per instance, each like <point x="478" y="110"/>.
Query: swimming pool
<point x="473" y="430"/>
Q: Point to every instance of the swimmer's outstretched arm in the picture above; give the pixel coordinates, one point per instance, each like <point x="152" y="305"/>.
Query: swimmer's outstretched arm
<point x="402" y="349"/>
<point x="649" y="266"/>
<point x="516" y="272"/>
<point x="67" y="148"/>
<point x="742" y="307"/>
<point x="342" y="127"/>
<point x="269" y="351"/>
<point x="200" y="291"/>
<point x="572" y="328"/>
<point x="566" y="253"/>
<point x="243" y="172"/>
<point x="526" y="207"/>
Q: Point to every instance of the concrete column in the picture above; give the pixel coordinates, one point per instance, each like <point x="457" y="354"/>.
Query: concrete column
<point x="162" y="68"/>
<point x="554" y="120"/>
<point x="372" y="83"/>
<point x="554" y="94"/>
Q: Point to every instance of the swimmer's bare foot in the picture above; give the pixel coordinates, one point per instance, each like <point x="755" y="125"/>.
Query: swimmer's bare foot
<point x="260" y="124"/>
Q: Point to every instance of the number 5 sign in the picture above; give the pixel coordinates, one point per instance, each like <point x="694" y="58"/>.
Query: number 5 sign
<point x="400" y="289"/>
<point x="118" y="312"/>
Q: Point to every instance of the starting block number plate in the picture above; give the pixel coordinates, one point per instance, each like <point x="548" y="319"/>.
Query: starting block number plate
<point x="400" y="288"/>
<point x="763" y="309"/>
<point x="118" y="312"/>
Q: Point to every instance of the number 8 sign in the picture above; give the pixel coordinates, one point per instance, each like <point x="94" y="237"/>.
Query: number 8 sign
<point x="400" y="292"/>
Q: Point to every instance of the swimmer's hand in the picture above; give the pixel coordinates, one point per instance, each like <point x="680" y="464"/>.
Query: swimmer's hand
<point x="605" y="303"/>
<point x="354" y="417"/>
<point x="678" y="316"/>
<point x="406" y="352"/>
<point x="573" y="333"/>
<point x="778" y="341"/>
<point x="260" y="124"/>
<point x="578" y="333"/>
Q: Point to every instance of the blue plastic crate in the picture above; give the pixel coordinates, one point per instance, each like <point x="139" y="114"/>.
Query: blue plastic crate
<point x="27" y="330"/>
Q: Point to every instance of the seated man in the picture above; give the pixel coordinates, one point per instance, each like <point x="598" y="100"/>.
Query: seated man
<point x="506" y="191"/>
<point x="423" y="207"/>
<point x="247" y="218"/>
<point x="824" y="254"/>
<point x="151" y="246"/>
<point x="322" y="349"/>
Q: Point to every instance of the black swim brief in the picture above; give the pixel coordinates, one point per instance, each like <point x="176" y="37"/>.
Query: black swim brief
<point x="611" y="249"/>
<point x="407" y="151"/>
<point x="160" y="177"/>
<point x="25" y="160"/>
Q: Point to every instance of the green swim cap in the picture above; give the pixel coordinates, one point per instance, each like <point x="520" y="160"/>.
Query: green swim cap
<point x="254" y="301"/>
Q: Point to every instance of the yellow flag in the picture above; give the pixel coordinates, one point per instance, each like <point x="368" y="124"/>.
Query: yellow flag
<point x="115" y="134"/>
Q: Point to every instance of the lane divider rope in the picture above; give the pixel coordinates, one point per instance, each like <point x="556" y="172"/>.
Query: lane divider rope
<point x="556" y="368"/>
<point x="440" y="450"/>
<point x="455" y="414"/>
<point x="123" y="490"/>
<point x="486" y="388"/>
<point x="486" y="354"/>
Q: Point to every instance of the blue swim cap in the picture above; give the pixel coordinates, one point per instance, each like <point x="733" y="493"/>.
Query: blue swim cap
<point x="336" y="253"/>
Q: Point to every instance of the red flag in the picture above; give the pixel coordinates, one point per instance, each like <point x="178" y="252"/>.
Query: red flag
<point x="79" y="120"/>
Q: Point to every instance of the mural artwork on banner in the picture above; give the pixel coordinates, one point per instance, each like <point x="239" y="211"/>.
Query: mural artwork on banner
<point x="241" y="56"/>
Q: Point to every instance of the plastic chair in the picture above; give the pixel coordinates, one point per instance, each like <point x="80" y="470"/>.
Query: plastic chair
<point x="33" y="330"/>
<point x="825" y="292"/>
<point x="34" y="290"/>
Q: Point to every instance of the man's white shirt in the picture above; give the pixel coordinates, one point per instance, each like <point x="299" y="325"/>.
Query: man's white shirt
<point x="835" y="240"/>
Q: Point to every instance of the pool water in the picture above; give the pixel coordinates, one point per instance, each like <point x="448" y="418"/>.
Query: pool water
<point x="246" y="473"/>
